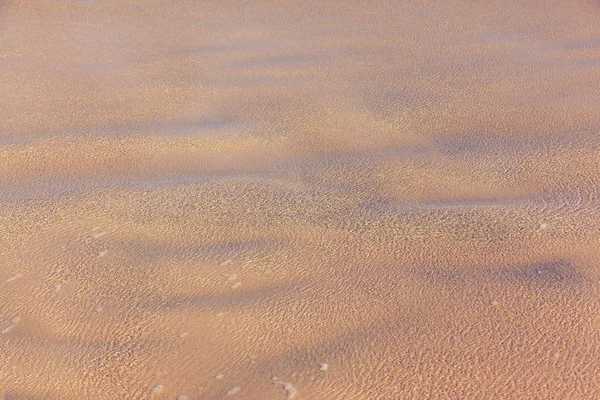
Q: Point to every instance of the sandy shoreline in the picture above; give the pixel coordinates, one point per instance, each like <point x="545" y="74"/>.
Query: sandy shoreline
<point x="322" y="200"/>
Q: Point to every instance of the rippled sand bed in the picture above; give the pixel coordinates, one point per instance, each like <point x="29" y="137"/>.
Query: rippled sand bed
<point x="308" y="200"/>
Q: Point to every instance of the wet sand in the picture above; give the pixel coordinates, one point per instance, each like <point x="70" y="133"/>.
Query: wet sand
<point x="308" y="200"/>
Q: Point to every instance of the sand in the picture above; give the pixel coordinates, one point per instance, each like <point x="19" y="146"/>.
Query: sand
<point x="308" y="200"/>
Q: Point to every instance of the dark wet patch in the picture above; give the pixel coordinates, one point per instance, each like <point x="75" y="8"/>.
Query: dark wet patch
<point x="557" y="272"/>
<point x="215" y="253"/>
<point x="230" y="299"/>
<point x="21" y="396"/>
<point x="579" y="44"/>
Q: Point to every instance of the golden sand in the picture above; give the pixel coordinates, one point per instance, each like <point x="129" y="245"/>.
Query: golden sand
<point x="308" y="200"/>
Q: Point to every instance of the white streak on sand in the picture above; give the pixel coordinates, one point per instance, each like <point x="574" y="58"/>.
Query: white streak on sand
<point x="233" y="390"/>
<point x="15" y="276"/>
<point x="15" y="321"/>
<point x="7" y="329"/>
<point x="98" y="235"/>
<point x="291" y="390"/>
<point x="157" y="389"/>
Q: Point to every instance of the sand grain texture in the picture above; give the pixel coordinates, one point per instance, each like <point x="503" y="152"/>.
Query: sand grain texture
<point x="308" y="200"/>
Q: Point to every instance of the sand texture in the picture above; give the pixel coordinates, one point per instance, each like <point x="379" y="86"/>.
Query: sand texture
<point x="299" y="199"/>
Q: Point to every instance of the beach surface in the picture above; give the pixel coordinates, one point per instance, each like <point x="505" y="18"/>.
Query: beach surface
<point x="299" y="200"/>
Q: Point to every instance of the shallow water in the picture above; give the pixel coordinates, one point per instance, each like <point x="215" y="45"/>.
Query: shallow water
<point x="310" y="200"/>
